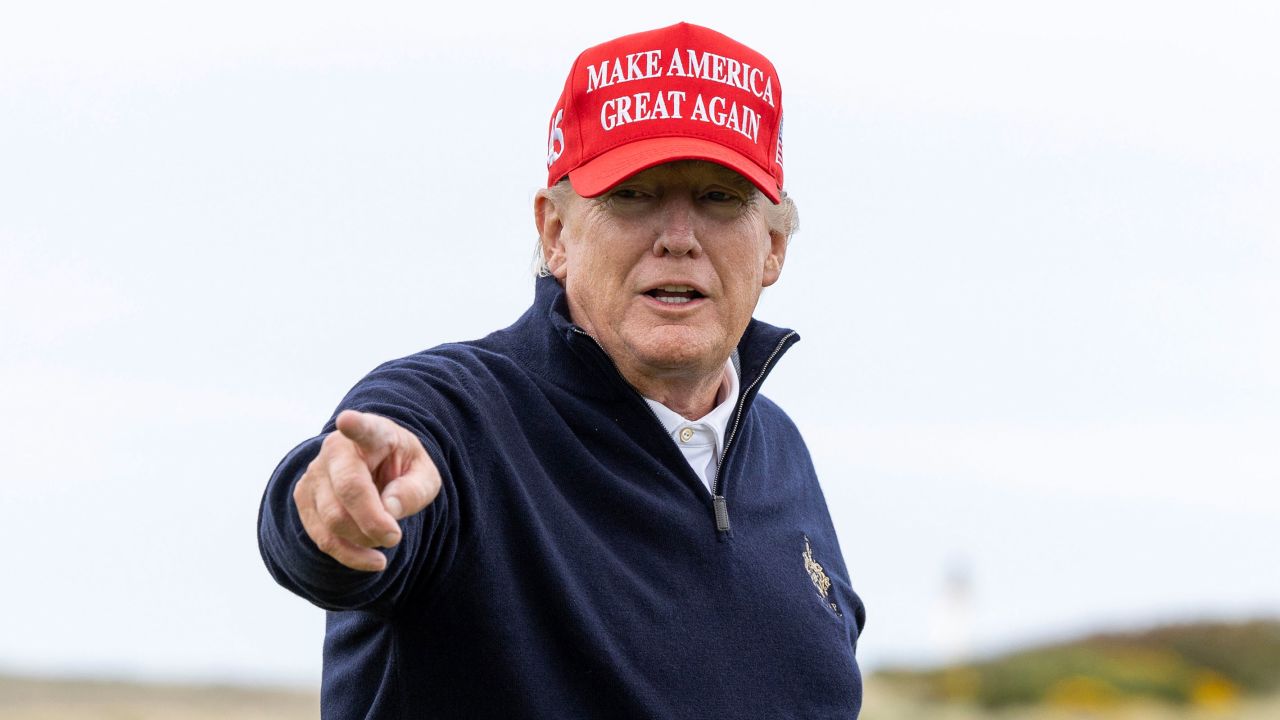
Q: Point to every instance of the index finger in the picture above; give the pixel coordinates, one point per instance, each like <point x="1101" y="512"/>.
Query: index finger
<point x="374" y="434"/>
<point x="353" y="488"/>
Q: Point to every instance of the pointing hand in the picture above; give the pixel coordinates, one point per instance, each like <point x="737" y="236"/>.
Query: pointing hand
<point x="370" y="473"/>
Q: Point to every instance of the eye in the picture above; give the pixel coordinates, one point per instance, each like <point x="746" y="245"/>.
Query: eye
<point x="720" y="196"/>
<point x="628" y="193"/>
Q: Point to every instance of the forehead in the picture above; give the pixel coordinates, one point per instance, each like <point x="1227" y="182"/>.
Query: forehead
<point x="693" y="172"/>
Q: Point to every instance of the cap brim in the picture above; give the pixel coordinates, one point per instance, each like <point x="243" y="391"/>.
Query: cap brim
<point x="612" y="167"/>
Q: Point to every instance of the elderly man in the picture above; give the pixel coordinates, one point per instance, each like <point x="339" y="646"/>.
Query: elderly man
<point x="593" y="512"/>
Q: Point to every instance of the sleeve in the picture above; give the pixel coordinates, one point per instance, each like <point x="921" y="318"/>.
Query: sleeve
<point x="423" y="403"/>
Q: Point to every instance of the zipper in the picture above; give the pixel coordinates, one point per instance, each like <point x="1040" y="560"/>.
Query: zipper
<point x="717" y="497"/>
<point x="718" y="503"/>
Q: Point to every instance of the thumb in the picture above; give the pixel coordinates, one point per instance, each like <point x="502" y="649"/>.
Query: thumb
<point x="413" y="490"/>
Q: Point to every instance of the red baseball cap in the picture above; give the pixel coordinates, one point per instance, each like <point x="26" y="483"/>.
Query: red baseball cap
<point x="682" y="92"/>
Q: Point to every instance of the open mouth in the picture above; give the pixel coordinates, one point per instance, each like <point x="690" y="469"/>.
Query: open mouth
<point x="674" y="294"/>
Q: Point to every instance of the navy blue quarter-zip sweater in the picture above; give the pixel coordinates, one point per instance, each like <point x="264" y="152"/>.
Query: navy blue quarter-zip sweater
<point x="573" y="565"/>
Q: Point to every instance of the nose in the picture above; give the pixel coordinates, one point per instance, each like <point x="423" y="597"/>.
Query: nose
<point x="675" y="230"/>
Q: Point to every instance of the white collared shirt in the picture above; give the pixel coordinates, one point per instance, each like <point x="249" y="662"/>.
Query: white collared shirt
<point x="702" y="441"/>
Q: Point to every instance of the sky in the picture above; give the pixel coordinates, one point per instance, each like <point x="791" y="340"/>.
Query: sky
<point x="1035" y="281"/>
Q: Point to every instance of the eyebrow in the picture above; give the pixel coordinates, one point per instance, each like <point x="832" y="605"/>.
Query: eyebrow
<point x="742" y="184"/>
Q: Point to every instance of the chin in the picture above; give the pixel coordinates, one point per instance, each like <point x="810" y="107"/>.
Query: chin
<point x="680" y="348"/>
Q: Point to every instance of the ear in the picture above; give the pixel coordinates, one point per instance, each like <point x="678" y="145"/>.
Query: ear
<point x="773" y="261"/>
<point x="548" y="216"/>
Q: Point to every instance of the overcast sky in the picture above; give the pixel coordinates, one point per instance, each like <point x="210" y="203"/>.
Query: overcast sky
<point x="1036" y="281"/>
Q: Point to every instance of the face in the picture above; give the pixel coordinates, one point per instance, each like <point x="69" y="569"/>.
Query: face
<point x="665" y="268"/>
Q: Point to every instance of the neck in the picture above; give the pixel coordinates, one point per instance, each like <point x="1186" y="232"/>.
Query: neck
<point x="690" y="397"/>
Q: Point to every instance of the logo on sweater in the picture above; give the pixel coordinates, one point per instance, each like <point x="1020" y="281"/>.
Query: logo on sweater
<point x="819" y="577"/>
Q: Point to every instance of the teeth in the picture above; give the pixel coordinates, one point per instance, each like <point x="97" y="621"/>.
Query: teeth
<point x="673" y="300"/>
<point x="677" y="288"/>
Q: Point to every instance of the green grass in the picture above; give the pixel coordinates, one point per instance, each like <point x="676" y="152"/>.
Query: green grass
<point x="888" y="702"/>
<point x="1203" y="665"/>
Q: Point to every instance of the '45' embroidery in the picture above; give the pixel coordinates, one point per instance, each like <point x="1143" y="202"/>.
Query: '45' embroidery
<point x="556" y="137"/>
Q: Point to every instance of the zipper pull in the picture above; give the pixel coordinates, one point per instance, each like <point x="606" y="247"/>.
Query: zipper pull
<point x="722" y="513"/>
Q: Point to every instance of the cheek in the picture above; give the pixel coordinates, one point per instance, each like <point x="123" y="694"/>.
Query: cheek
<point x="743" y="269"/>
<point x="606" y="263"/>
<point x="597" y="275"/>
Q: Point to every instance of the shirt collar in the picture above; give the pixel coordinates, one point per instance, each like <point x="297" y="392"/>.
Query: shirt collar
<point x="717" y="420"/>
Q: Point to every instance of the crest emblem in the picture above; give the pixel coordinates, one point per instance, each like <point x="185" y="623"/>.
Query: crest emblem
<point x="819" y="577"/>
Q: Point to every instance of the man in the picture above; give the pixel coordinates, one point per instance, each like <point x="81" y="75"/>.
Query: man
<point x="593" y="512"/>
